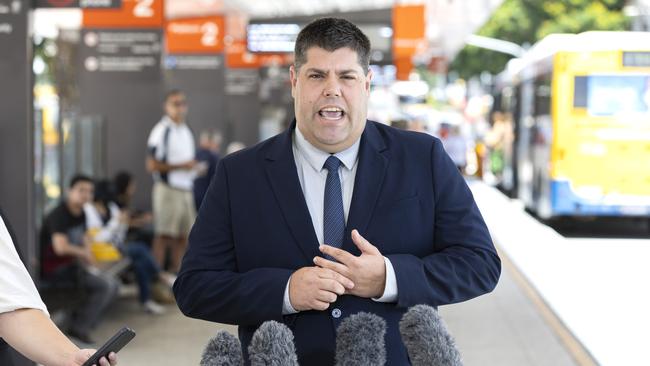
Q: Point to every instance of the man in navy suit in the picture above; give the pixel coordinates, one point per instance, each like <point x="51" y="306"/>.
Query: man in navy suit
<point x="334" y="216"/>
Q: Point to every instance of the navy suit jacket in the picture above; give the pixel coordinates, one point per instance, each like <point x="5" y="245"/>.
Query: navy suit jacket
<point x="254" y="230"/>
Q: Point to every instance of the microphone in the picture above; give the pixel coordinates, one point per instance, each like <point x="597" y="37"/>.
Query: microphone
<point x="223" y="349"/>
<point x="360" y="341"/>
<point x="426" y="338"/>
<point x="272" y="345"/>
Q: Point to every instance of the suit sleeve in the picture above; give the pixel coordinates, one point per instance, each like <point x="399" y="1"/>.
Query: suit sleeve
<point x="464" y="263"/>
<point x="210" y="285"/>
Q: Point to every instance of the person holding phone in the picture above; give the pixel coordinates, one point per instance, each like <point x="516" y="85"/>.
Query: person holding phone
<point x="24" y="320"/>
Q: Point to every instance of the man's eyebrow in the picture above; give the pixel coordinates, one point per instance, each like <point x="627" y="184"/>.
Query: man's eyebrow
<point x="318" y="71"/>
<point x="341" y="72"/>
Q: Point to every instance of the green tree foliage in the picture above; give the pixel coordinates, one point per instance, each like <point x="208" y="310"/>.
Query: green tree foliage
<point x="527" y="21"/>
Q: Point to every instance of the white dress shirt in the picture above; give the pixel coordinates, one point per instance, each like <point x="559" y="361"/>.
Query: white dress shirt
<point x="312" y="176"/>
<point x="17" y="290"/>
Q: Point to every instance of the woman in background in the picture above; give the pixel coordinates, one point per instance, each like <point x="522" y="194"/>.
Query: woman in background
<point x="110" y="225"/>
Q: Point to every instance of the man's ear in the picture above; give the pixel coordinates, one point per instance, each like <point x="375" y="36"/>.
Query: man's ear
<point x="369" y="77"/>
<point x="293" y="75"/>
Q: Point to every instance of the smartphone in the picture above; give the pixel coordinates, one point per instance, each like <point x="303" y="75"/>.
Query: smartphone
<point x="115" y="344"/>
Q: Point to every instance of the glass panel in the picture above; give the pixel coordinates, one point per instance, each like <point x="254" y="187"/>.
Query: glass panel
<point x="580" y="92"/>
<point x="609" y="95"/>
<point x="47" y="165"/>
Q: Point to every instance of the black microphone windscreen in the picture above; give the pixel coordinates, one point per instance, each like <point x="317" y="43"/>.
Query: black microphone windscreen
<point x="360" y="341"/>
<point x="224" y="349"/>
<point x="426" y="338"/>
<point x="272" y="345"/>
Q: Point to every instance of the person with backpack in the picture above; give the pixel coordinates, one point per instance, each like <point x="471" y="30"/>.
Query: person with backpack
<point x="173" y="164"/>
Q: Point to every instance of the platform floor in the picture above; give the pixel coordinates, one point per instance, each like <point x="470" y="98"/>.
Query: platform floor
<point x="525" y="321"/>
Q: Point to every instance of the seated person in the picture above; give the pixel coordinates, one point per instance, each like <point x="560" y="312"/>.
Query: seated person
<point x="140" y="223"/>
<point x="66" y="258"/>
<point x="110" y="225"/>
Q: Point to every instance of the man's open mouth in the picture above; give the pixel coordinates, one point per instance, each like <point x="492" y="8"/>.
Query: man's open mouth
<point x="331" y="113"/>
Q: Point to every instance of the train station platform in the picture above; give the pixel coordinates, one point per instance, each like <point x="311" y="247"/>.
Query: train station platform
<point x="557" y="303"/>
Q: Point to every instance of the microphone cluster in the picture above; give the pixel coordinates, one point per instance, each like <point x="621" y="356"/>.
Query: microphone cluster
<point x="359" y="342"/>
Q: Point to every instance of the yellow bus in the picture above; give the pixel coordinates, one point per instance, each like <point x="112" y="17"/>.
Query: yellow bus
<point x="581" y="110"/>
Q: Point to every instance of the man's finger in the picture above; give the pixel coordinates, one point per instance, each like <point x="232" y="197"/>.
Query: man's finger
<point x="326" y="296"/>
<point x="327" y="273"/>
<point x="363" y="244"/>
<point x="334" y="266"/>
<point x="320" y="305"/>
<point x="339" y="254"/>
<point x="332" y="286"/>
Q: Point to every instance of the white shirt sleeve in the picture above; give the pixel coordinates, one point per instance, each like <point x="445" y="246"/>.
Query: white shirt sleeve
<point x="17" y="290"/>
<point x="390" y="291"/>
<point x="154" y="142"/>
<point x="287" y="309"/>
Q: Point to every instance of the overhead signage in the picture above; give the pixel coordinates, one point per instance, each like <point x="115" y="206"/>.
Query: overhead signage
<point x="12" y="13"/>
<point x="195" y="35"/>
<point x="84" y="4"/>
<point x="242" y="82"/>
<point x="274" y="38"/>
<point x="238" y="57"/>
<point x="192" y="62"/>
<point x="409" y="37"/>
<point x="132" y="14"/>
<point x="636" y="59"/>
<point x="125" y="51"/>
<point x="175" y="9"/>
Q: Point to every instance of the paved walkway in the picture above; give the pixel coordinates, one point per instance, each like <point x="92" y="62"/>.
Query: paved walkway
<point x="506" y="327"/>
<point x="502" y="328"/>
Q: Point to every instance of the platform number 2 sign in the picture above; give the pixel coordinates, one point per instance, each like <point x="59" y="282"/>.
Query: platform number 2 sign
<point x="143" y="9"/>
<point x="210" y="32"/>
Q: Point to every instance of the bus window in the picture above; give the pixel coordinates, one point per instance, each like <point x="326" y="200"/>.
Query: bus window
<point x="609" y="95"/>
<point x="580" y="92"/>
<point x="543" y="96"/>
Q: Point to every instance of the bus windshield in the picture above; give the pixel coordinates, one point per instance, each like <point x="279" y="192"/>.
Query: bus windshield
<point x="609" y="95"/>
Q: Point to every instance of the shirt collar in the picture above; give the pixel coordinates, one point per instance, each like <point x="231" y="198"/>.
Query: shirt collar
<point x="316" y="158"/>
<point x="168" y="121"/>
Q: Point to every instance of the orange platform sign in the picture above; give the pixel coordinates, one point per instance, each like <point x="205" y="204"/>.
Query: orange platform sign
<point x="238" y="57"/>
<point x="195" y="35"/>
<point x="409" y="36"/>
<point x="132" y="14"/>
<point x="409" y="30"/>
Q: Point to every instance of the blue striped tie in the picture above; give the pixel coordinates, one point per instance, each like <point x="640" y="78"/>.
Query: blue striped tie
<point x="333" y="216"/>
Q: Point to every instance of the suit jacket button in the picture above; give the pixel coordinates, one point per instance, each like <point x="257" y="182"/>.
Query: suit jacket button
<point x="336" y="313"/>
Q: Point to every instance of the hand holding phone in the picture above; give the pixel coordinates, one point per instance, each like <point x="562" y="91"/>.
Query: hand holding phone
<point x="115" y="344"/>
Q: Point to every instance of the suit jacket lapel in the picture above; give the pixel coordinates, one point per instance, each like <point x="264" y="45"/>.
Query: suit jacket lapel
<point x="282" y="173"/>
<point x="373" y="163"/>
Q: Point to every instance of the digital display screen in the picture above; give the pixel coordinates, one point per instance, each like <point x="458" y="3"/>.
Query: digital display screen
<point x="275" y="38"/>
<point x="636" y="59"/>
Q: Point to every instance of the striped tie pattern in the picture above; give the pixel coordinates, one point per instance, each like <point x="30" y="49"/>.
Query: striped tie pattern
<point x="333" y="216"/>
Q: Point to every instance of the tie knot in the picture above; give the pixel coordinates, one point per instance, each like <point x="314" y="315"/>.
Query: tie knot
<point x="332" y="163"/>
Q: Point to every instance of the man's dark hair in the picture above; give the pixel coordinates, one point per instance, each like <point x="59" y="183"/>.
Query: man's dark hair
<point x="121" y="181"/>
<point x="331" y="34"/>
<point x="80" y="178"/>
<point x="104" y="192"/>
<point x="172" y="92"/>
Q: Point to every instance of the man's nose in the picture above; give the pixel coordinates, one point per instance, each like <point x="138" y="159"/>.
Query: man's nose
<point x="332" y="88"/>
